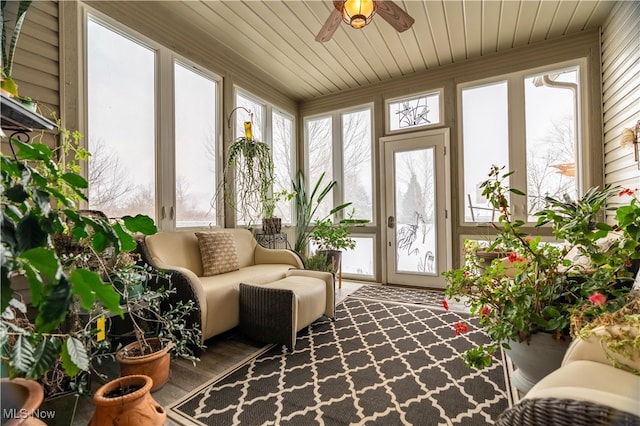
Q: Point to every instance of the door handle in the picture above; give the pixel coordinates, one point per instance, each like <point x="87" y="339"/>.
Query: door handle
<point x="391" y="222"/>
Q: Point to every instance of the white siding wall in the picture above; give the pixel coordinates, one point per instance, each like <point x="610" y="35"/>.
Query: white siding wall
<point x="621" y="91"/>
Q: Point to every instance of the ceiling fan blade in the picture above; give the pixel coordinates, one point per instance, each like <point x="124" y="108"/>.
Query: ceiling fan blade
<point x="330" y="26"/>
<point x="394" y="15"/>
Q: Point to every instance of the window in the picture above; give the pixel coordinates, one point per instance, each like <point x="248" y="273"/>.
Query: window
<point x="415" y="112"/>
<point x="485" y="129"/>
<point x="121" y="78"/>
<point x="320" y="157"/>
<point x="356" y="168"/>
<point x="528" y="122"/>
<point x="283" y="162"/>
<point x="195" y="154"/>
<point x="340" y="146"/>
<point x="353" y="167"/>
<point x="170" y="173"/>
<point x="552" y="130"/>
<point x="276" y="129"/>
<point x="359" y="261"/>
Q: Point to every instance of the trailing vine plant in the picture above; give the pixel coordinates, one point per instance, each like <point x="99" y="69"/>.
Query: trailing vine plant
<point x="248" y="177"/>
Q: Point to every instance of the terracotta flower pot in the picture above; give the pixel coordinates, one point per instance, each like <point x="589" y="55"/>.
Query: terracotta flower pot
<point x="20" y="400"/>
<point x="127" y="401"/>
<point x="155" y="365"/>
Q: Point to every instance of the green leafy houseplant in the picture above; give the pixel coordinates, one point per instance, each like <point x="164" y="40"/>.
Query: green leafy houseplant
<point x="615" y="322"/>
<point x="34" y="210"/>
<point x="539" y="285"/>
<point x="152" y="317"/>
<point x="269" y="203"/>
<point x="330" y="235"/>
<point x="8" y="52"/>
<point x="307" y="205"/>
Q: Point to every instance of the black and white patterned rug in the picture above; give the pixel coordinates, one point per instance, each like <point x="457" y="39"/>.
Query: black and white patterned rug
<point x="380" y="362"/>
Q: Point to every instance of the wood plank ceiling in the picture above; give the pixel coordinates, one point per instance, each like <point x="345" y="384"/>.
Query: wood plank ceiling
<point x="278" y="36"/>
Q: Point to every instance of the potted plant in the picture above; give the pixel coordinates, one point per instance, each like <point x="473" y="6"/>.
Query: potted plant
<point x="160" y="329"/>
<point x="20" y="399"/>
<point x="270" y="223"/>
<point x="249" y="165"/>
<point x="127" y="401"/>
<point x="8" y="52"/>
<point x="307" y="205"/>
<point x="34" y="211"/>
<point x="532" y="293"/>
<point x="331" y="238"/>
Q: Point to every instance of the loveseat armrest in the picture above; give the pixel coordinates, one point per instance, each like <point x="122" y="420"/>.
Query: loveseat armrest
<point x="265" y="255"/>
<point x="186" y="283"/>
<point x="329" y="279"/>
<point x="594" y="348"/>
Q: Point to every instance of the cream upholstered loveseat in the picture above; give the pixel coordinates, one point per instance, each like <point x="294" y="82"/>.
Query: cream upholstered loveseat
<point x="217" y="296"/>
<point x="586" y="390"/>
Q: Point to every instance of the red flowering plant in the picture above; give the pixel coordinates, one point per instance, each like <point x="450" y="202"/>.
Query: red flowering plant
<point x="538" y="286"/>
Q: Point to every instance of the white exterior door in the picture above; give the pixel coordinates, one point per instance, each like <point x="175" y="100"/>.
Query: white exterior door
<point x="418" y="230"/>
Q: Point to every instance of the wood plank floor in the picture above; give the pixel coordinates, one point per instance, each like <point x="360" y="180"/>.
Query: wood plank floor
<point x="222" y="353"/>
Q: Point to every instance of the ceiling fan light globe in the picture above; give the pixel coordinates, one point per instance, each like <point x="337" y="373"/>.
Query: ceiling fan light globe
<point x="358" y="21"/>
<point x="358" y="13"/>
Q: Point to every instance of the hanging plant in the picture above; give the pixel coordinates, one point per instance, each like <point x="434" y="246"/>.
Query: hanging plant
<point x="249" y="163"/>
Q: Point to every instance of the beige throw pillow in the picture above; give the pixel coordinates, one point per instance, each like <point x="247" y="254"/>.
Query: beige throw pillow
<point x="218" y="252"/>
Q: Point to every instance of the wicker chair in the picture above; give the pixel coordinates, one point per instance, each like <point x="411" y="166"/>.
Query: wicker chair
<point x="561" y="412"/>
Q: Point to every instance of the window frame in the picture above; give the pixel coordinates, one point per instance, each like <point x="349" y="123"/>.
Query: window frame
<point x="337" y="147"/>
<point x="441" y="116"/>
<point x="365" y="231"/>
<point x="218" y="151"/>
<point x="516" y="123"/>
<point x="164" y="124"/>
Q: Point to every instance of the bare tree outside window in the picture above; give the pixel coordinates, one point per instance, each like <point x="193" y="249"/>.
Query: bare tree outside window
<point x="551" y="171"/>
<point x="108" y="180"/>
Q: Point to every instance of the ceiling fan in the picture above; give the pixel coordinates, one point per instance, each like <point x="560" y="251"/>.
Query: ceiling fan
<point x="358" y="13"/>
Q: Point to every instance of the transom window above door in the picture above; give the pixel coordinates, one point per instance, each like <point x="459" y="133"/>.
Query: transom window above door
<point x="414" y="112"/>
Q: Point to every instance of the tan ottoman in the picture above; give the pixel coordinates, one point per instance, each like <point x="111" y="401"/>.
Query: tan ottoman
<point x="275" y="312"/>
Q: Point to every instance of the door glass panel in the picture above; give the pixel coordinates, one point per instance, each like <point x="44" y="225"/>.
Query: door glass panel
<point x="414" y="187"/>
